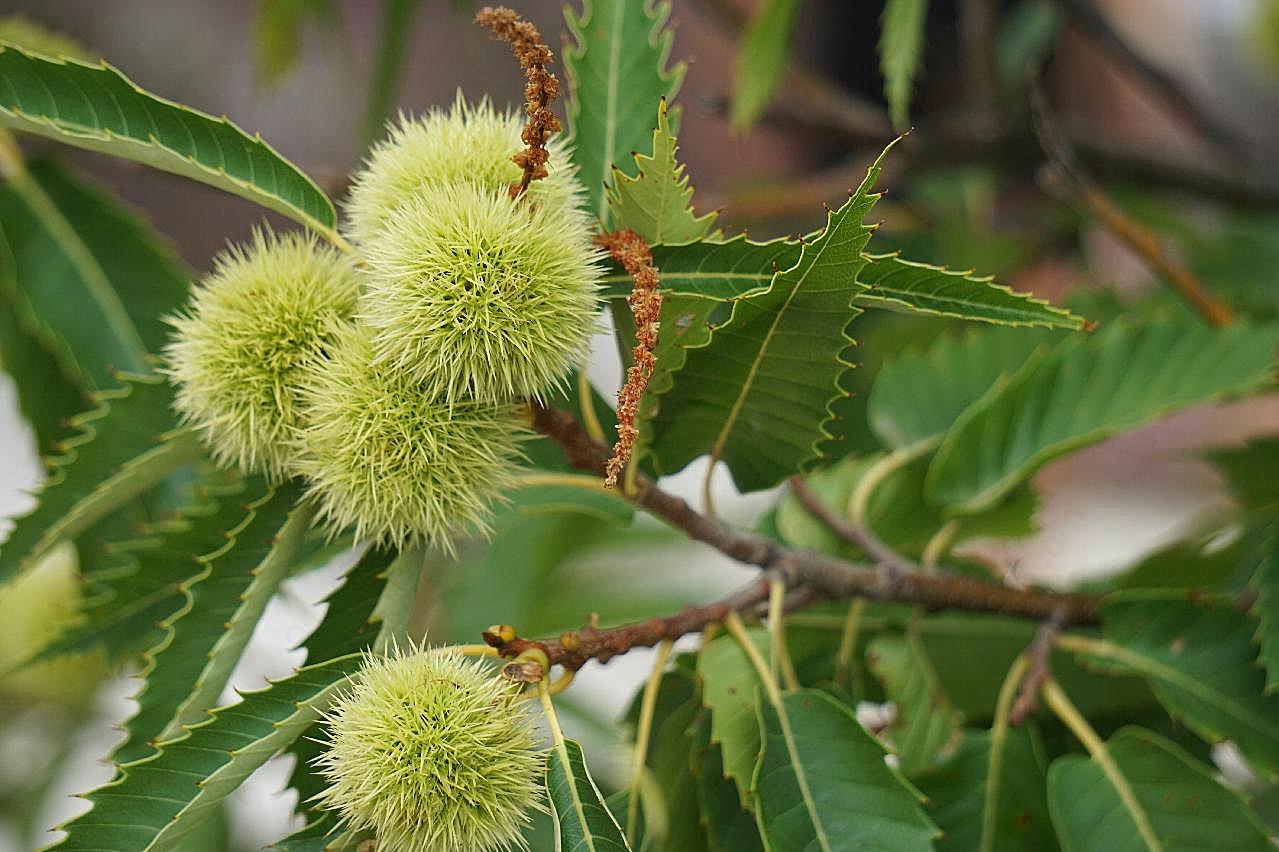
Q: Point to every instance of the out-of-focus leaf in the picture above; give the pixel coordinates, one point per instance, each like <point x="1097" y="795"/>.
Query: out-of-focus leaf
<point x="919" y="395"/>
<point x="925" y="723"/>
<point x="761" y="60"/>
<point x="124" y="447"/>
<point x="1202" y="665"/>
<point x="901" y="48"/>
<point x="220" y="753"/>
<point x="898" y="284"/>
<point x="1088" y="388"/>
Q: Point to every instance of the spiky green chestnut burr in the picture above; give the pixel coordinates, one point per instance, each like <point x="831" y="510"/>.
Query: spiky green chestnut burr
<point x="441" y="147"/>
<point x="432" y="753"/>
<point x="269" y="308"/>
<point x="399" y="465"/>
<point x="479" y="296"/>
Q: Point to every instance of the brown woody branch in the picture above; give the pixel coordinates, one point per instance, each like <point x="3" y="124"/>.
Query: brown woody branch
<point x="855" y="534"/>
<point x="1039" y="670"/>
<point x="809" y="574"/>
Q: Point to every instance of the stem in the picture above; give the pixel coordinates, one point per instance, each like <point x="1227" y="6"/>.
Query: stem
<point x="857" y="534"/>
<point x="859" y="502"/>
<point x="777" y="633"/>
<point x="733" y="623"/>
<point x="1078" y="725"/>
<point x="848" y="641"/>
<point x="643" y="731"/>
<point x="938" y="545"/>
<point x="568" y="480"/>
<point x="994" y="763"/>
<point x="476" y="650"/>
<point x="586" y="402"/>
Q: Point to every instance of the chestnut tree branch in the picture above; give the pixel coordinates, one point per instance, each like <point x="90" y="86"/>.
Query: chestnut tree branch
<point x="810" y="575"/>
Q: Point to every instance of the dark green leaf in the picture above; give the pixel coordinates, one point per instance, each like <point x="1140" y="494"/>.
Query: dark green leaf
<point x="617" y="74"/>
<point x="742" y="398"/>
<point x="711" y="269"/>
<point x="1252" y="472"/>
<point x="1202" y="665"/>
<point x="122" y="449"/>
<point x="160" y="799"/>
<point x="97" y="108"/>
<point x="822" y="783"/>
<point x="1266" y="581"/>
<point x="728" y="825"/>
<point x="48" y="395"/>
<point x="1170" y="801"/>
<point x="202" y="641"/>
<point x="1006" y="814"/>
<point x="583" y="822"/>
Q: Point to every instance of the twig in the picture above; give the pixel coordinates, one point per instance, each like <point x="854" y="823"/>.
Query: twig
<point x="540" y="88"/>
<point x="572" y="650"/>
<point x="855" y="534"/>
<point x="1067" y="178"/>
<point x="819" y="573"/>
<point x="1039" y="669"/>
<point x="631" y="251"/>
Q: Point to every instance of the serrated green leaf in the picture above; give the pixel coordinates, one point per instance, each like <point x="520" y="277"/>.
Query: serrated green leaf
<point x="617" y="75"/>
<point x="206" y="637"/>
<point x="583" y="822"/>
<point x="1088" y="388"/>
<point x="761" y="60"/>
<point x="758" y="396"/>
<point x="822" y="783"/>
<point x="160" y="799"/>
<point x="1265" y="580"/>
<point x="351" y="625"/>
<point x="1202" y="666"/>
<point x="172" y="668"/>
<point x="122" y="449"/>
<point x="98" y="108"/>
<point x="139" y="584"/>
<point x="960" y="792"/>
<point x="926" y="723"/>
<point x="61" y="288"/>
<point x="917" y="397"/>
<point x="901" y="48"/>
<point x="728" y="825"/>
<point x="48" y="395"/>
<point x="898" y="284"/>
<point x="729" y="684"/>
<point x="657" y="203"/>
<point x="1172" y="802"/>
<point x="144" y="268"/>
